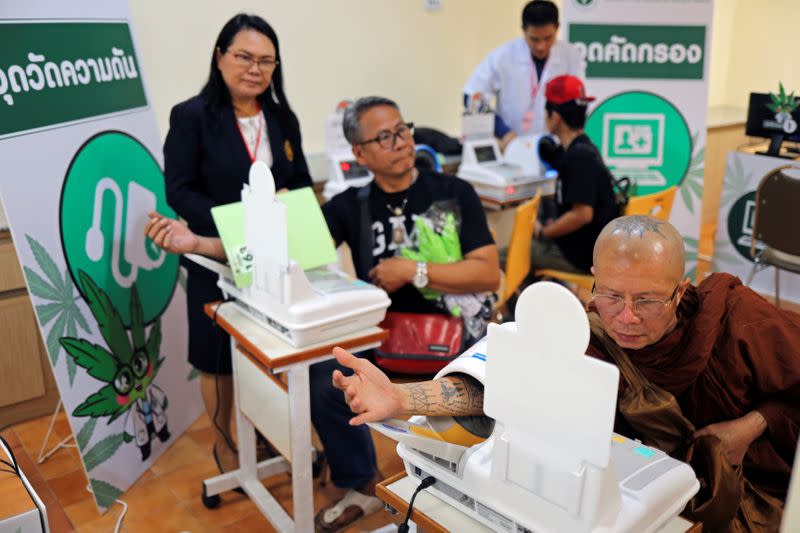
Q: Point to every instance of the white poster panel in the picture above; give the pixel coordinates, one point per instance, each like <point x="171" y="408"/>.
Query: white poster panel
<point x="647" y="63"/>
<point x="82" y="164"/>
<point x="743" y="173"/>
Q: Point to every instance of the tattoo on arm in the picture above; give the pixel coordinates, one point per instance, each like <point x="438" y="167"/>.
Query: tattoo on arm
<point x="456" y="395"/>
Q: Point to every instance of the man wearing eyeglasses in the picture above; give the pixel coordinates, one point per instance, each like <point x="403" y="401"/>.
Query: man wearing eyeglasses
<point x="728" y="356"/>
<point x="377" y="220"/>
<point x="383" y="141"/>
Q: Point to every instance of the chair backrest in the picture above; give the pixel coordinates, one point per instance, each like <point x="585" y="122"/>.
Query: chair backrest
<point x="775" y="218"/>
<point x="656" y="205"/>
<point x="518" y="259"/>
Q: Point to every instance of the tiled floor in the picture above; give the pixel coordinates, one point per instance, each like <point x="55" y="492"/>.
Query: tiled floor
<point x="167" y="496"/>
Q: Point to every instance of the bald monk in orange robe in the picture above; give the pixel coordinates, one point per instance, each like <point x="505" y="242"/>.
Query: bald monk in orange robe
<point x="730" y="358"/>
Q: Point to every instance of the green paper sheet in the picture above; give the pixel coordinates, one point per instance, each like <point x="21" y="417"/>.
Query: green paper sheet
<point x="229" y="219"/>
<point x="310" y="242"/>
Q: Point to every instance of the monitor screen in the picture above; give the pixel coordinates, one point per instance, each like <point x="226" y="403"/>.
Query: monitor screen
<point x="763" y="122"/>
<point x="485" y="153"/>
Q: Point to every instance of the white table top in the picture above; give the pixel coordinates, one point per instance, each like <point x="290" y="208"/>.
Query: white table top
<point x="270" y="348"/>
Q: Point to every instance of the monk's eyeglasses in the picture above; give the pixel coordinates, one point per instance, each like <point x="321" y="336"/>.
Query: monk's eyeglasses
<point x="612" y="304"/>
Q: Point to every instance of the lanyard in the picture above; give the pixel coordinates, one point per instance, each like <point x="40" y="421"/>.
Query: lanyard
<point x="252" y="154"/>
<point x="527" y="117"/>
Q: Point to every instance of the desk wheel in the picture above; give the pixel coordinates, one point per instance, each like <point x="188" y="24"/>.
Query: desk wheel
<point x="210" y="502"/>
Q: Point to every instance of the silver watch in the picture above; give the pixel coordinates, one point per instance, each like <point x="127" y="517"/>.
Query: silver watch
<point x="421" y="277"/>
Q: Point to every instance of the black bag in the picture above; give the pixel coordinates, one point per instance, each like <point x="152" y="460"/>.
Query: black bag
<point x="622" y="192"/>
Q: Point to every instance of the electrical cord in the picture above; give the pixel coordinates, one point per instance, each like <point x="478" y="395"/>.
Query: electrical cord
<point x="220" y="345"/>
<point x="427" y="482"/>
<point x="121" y="515"/>
<point x="14" y="469"/>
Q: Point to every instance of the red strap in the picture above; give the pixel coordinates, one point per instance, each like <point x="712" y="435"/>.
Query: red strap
<point x="258" y="137"/>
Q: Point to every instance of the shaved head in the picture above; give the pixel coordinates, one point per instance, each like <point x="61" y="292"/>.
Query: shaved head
<point x="639" y="258"/>
<point x="641" y="239"/>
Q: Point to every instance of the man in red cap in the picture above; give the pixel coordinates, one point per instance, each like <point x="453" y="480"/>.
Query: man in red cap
<point x="584" y="200"/>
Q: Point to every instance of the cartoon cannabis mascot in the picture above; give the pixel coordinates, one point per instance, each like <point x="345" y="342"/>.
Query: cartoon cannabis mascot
<point x="129" y="368"/>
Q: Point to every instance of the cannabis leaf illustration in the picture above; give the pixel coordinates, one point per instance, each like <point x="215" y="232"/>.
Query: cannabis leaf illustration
<point x="723" y="256"/>
<point x="782" y="103"/>
<point x="736" y="181"/>
<point x="63" y="310"/>
<point x="691" y="257"/>
<point x="692" y="186"/>
<point x="129" y="364"/>
<point x="104" y="493"/>
<point x="102" y="451"/>
<point x="85" y="434"/>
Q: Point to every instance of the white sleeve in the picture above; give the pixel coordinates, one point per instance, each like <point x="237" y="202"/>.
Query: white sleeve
<point x="472" y="363"/>
<point x="485" y="79"/>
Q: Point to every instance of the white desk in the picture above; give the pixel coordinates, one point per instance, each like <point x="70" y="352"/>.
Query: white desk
<point x="280" y="412"/>
<point x="432" y="514"/>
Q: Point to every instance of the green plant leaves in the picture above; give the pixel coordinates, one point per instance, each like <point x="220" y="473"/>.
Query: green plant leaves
<point x="101" y="403"/>
<point x="691" y="246"/>
<point x="94" y="358"/>
<point x="61" y="311"/>
<point x="105" y="493"/>
<point x="102" y="451"/>
<point x="154" y="342"/>
<point x="692" y="187"/>
<point x="108" y="319"/>
<point x="736" y="181"/>
<point x="85" y="434"/>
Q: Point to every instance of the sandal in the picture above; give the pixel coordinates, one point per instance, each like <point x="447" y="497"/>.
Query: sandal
<point x="348" y="510"/>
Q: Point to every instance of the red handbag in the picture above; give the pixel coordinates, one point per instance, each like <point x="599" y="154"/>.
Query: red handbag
<point x="419" y="343"/>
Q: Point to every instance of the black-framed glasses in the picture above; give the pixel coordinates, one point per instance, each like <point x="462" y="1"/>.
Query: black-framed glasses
<point x="247" y="61"/>
<point x="387" y="139"/>
<point x="612" y="304"/>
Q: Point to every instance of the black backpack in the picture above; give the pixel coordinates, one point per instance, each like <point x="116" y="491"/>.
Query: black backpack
<point x="622" y="192"/>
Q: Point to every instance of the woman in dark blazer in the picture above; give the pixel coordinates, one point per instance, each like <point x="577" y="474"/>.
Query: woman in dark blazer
<point x="241" y="115"/>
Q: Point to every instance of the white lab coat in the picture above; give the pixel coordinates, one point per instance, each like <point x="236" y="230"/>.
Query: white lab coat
<point x="508" y="72"/>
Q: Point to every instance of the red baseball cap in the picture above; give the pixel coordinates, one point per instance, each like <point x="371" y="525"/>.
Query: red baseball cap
<point x="563" y="89"/>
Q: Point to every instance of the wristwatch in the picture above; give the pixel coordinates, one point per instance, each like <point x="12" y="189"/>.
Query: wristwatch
<point x="421" y="277"/>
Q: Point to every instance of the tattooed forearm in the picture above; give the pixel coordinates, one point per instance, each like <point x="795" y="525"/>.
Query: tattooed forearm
<point x="421" y="399"/>
<point x="455" y="395"/>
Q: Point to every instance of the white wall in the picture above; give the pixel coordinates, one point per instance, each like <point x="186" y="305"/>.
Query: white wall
<point x="333" y="49"/>
<point x="762" y="48"/>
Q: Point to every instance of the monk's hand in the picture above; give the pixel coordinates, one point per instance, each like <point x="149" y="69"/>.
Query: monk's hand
<point x="391" y="274"/>
<point x="736" y="435"/>
<point x="368" y="392"/>
<point x="171" y="235"/>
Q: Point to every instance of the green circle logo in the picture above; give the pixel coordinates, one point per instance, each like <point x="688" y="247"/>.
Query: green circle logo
<point x="643" y="136"/>
<point x="111" y="185"/>
<point x="740" y="225"/>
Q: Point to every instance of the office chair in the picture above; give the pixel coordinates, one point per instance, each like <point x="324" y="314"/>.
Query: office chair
<point x="774" y="225"/>
<point x="518" y="257"/>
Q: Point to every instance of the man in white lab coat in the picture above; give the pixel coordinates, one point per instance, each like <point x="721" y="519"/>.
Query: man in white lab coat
<point x="517" y="72"/>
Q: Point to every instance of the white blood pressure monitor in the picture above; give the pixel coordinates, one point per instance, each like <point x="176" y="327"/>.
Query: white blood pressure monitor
<point x="493" y="178"/>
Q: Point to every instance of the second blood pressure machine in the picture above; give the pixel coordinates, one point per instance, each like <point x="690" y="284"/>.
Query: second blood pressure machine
<point x="552" y="462"/>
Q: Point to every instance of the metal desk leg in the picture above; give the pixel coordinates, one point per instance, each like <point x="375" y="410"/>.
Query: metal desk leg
<point x="300" y="415"/>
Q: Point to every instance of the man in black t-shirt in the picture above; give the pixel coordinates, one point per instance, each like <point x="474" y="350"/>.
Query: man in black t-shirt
<point x="584" y="191"/>
<point x="384" y="143"/>
<point x="376" y="221"/>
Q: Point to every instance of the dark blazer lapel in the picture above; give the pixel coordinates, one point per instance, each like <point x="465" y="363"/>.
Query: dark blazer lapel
<point x="234" y="146"/>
